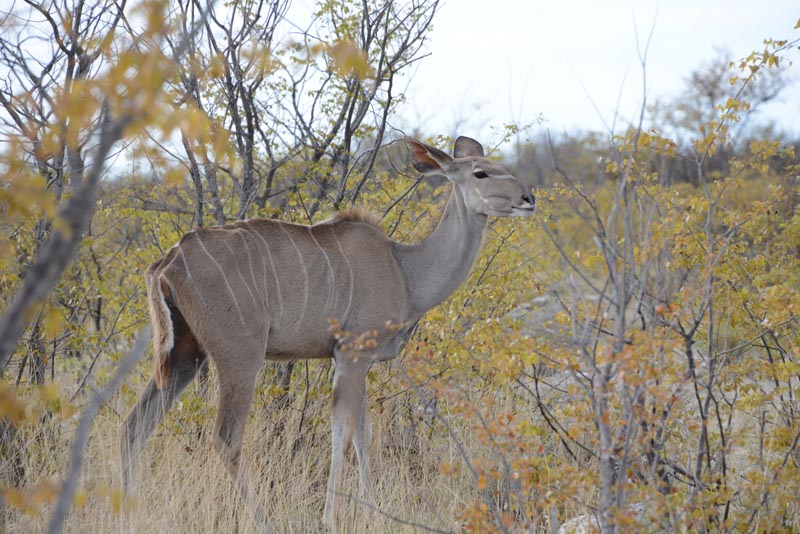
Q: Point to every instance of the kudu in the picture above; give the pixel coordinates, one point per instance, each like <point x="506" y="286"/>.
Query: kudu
<point x="265" y="289"/>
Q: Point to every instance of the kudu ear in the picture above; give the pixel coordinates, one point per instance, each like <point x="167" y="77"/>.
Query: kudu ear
<point x="428" y="159"/>
<point x="467" y="147"/>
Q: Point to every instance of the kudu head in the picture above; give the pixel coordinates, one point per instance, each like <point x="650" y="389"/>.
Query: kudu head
<point x="487" y="188"/>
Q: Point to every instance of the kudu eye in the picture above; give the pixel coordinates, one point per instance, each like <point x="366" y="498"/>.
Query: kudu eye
<point x="529" y="198"/>
<point x="480" y="174"/>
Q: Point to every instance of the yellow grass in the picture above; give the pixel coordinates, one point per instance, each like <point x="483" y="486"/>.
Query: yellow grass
<point x="183" y="486"/>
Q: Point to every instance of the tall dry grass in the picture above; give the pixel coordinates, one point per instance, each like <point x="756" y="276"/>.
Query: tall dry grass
<point x="183" y="487"/>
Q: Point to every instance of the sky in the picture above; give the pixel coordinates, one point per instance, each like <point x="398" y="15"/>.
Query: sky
<point x="572" y="62"/>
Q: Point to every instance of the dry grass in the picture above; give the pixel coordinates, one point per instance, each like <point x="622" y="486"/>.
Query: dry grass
<point x="183" y="486"/>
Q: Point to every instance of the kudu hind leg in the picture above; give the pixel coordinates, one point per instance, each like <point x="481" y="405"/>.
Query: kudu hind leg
<point x="185" y="358"/>
<point x="150" y="410"/>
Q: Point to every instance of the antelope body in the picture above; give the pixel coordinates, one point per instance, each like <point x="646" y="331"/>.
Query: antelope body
<point x="265" y="289"/>
<point x="279" y="285"/>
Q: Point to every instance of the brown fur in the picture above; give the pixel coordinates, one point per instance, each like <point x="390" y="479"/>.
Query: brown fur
<point x="354" y="215"/>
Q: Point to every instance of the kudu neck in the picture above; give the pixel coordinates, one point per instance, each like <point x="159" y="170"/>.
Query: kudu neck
<point x="438" y="265"/>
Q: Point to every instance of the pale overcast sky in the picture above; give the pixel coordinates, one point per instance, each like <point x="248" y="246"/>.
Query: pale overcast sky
<point x="496" y="61"/>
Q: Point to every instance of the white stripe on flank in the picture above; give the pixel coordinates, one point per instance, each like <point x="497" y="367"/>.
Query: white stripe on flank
<point x="224" y="277"/>
<point x="349" y="271"/>
<point x="274" y="274"/>
<point x="305" y="277"/>
<point x="263" y="268"/>
<point x="249" y="259"/>
<point x="330" y="303"/>
<point x="189" y="274"/>
<point x="238" y="270"/>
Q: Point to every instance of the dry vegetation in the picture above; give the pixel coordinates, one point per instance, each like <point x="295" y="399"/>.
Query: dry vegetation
<point x="631" y="354"/>
<point x="184" y="486"/>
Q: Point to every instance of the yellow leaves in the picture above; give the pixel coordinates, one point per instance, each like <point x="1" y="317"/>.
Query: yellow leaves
<point x="753" y="65"/>
<point x="49" y="392"/>
<point x="66" y="22"/>
<point x="175" y="176"/>
<point x="259" y="58"/>
<point x="475" y="517"/>
<point x="49" y="398"/>
<point x="53" y="322"/>
<point x="784" y="371"/>
<point x="654" y="141"/>
<point x="713" y="134"/>
<point x="483" y="481"/>
<point x="202" y="133"/>
<point x="156" y="15"/>
<point x="735" y="105"/>
<point x="44" y="493"/>
<point x="24" y="193"/>
<point x="130" y="84"/>
<point x="436" y="315"/>
<point x="782" y="438"/>
<point x="664" y="310"/>
<point x="772" y="61"/>
<point x="449" y="468"/>
<point x="11" y="406"/>
<point x="116" y="499"/>
<point x="79" y="499"/>
<point x="76" y="105"/>
<point x="15" y="498"/>
<point x="217" y="66"/>
<point x="134" y="89"/>
<point x="349" y="59"/>
<point x="31" y="501"/>
<point x="26" y="405"/>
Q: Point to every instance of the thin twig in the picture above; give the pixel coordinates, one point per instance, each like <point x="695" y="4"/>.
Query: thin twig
<point x="394" y="518"/>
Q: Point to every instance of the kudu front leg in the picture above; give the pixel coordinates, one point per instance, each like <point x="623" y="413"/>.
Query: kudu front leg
<point x="361" y="442"/>
<point x="350" y="424"/>
<point x="236" y="396"/>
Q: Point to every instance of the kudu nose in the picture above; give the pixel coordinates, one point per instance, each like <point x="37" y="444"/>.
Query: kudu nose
<point x="529" y="198"/>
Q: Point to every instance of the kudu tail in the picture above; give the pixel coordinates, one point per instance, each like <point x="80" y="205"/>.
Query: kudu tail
<point x="163" y="337"/>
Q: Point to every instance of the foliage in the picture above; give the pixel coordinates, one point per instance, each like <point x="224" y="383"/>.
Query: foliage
<point x="631" y="356"/>
<point x="658" y="391"/>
